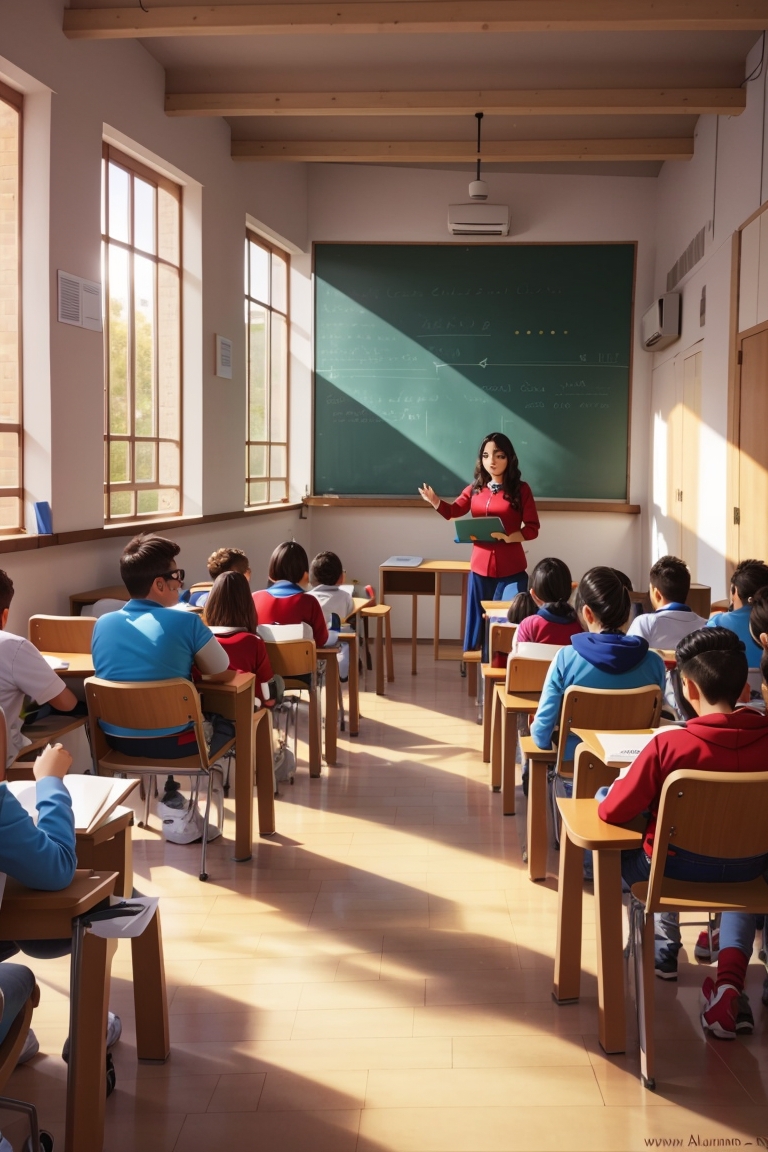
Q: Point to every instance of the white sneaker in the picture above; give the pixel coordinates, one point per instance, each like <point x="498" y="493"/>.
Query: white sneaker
<point x="30" y="1049"/>
<point x="114" y="1032"/>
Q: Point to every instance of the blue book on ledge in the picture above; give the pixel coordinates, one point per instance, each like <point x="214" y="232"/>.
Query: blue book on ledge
<point x="44" y="519"/>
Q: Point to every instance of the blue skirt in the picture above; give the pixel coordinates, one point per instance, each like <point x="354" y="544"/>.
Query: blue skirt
<point x="487" y="588"/>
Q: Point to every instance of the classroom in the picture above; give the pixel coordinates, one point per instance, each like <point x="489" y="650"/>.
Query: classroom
<point x="327" y="822"/>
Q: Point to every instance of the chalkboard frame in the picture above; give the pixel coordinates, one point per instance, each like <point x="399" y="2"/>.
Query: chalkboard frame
<point x="543" y="504"/>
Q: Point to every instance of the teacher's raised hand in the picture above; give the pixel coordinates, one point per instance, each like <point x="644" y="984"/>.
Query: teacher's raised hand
<point x="428" y="493"/>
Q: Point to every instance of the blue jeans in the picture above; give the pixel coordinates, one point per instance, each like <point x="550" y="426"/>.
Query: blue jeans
<point x="487" y="588"/>
<point x="16" y="985"/>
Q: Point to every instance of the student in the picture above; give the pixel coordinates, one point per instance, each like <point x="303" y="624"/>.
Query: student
<point x="555" y="621"/>
<point x="285" y="601"/>
<point x="222" y="560"/>
<point x="230" y="610"/>
<point x="147" y="640"/>
<point x="325" y="575"/>
<point x="668" y="587"/>
<point x="24" y="672"/>
<point x="601" y="657"/>
<point x="748" y="578"/>
<point x="523" y="605"/>
<point x="720" y="738"/>
<point x="40" y="855"/>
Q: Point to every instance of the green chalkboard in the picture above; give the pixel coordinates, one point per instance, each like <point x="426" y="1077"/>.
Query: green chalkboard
<point x="422" y="349"/>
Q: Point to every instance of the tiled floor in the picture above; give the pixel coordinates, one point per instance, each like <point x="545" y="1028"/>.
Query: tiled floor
<point x="379" y="977"/>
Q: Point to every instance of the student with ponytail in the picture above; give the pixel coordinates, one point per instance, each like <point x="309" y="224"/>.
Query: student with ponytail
<point x="600" y="657"/>
<point x="555" y="621"/>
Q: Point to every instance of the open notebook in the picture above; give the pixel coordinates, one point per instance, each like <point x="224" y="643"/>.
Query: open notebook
<point x="625" y="747"/>
<point x="94" y="798"/>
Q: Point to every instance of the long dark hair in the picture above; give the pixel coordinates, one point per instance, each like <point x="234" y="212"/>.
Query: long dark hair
<point x="230" y="604"/>
<point x="758" y="617"/>
<point x="510" y="485"/>
<point x="551" y="581"/>
<point x="607" y="596"/>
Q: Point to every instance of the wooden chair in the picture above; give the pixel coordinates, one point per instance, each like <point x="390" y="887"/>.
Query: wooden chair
<point x="720" y="814"/>
<point x="517" y="696"/>
<point x="601" y="709"/>
<point x="10" y="1050"/>
<point x="146" y="706"/>
<point x="500" y="639"/>
<point x="296" y="662"/>
<point x="61" y="633"/>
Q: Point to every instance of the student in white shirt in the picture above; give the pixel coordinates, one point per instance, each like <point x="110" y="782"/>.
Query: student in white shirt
<point x="326" y="573"/>
<point x="24" y="672"/>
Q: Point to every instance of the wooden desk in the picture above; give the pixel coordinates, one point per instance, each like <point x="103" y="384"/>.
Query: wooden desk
<point x="235" y="701"/>
<point x="351" y="640"/>
<point x="426" y="580"/>
<point x="80" y="664"/>
<point x="40" y="732"/>
<point x="113" y="592"/>
<point x="110" y="849"/>
<point x="331" y="657"/>
<point x="583" y="829"/>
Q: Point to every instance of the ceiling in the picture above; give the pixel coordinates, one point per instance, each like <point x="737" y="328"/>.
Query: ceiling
<point x="471" y="64"/>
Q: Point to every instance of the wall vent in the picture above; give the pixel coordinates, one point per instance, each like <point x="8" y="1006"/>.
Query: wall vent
<point x="693" y="253"/>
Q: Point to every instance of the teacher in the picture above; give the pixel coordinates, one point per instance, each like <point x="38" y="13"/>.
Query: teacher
<point x="497" y="570"/>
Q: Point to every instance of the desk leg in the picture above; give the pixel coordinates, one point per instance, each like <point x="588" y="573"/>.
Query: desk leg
<point x="537" y="819"/>
<point x="414" y="631"/>
<point x="610" y="959"/>
<point x="436" y="642"/>
<point x="150" y="999"/>
<point x="331" y="707"/>
<point x="390" y="653"/>
<point x="463" y="610"/>
<point x="244" y="775"/>
<point x="488" y="706"/>
<point x="508" y="749"/>
<point x="315" y="766"/>
<point x="379" y="656"/>
<point x="354" y="687"/>
<point x="86" y="1072"/>
<point x="495" y="713"/>
<point x="569" y="911"/>
<point x="265" y="778"/>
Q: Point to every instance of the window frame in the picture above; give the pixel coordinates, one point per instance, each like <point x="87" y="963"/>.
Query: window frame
<point x="134" y="167"/>
<point x="253" y="237"/>
<point x="15" y="99"/>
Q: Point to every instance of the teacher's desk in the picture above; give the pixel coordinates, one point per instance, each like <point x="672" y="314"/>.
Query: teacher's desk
<point x="425" y="579"/>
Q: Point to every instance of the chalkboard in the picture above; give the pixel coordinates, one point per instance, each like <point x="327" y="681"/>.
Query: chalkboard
<point x="422" y="349"/>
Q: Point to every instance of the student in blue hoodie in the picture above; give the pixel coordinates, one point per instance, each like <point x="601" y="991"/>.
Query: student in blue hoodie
<point x="600" y="657"/>
<point x="748" y="578"/>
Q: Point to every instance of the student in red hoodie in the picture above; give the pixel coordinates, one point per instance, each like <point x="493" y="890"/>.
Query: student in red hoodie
<point x="286" y="600"/>
<point x="720" y="738"/>
<point x="555" y="621"/>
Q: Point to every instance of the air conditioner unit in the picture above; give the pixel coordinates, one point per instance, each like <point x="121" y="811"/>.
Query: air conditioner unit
<point x="661" y="323"/>
<point x="478" y="219"/>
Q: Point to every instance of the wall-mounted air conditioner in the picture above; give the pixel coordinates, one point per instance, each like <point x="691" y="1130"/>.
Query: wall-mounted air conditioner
<point x="478" y="219"/>
<point x="661" y="323"/>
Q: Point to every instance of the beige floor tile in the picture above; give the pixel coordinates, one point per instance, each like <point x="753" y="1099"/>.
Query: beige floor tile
<point x="232" y="997"/>
<point x="519" y="1051"/>
<point x="363" y="994"/>
<point x="482" y="1087"/>
<point x="232" y="1025"/>
<point x="353" y="1022"/>
<point x="239" y="1093"/>
<point x="283" y="970"/>
<point x="320" y="1089"/>
<point x="324" y="1131"/>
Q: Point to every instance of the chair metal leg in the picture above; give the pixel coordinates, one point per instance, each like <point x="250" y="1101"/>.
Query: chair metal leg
<point x="342" y="717"/>
<point x="206" y="821"/>
<point x="148" y="792"/>
<point x="642" y="937"/>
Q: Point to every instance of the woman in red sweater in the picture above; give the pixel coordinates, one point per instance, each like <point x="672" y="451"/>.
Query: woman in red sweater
<point x="286" y="600"/>
<point x="230" y="614"/>
<point x="497" y="570"/>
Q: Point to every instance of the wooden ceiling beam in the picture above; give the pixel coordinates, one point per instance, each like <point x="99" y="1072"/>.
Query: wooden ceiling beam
<point x="460" y="151"/>
<point x="407" y="16"/>
<point x="565" y="102"/>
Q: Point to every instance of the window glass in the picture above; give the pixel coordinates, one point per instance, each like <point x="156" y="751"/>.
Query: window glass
<point x="10" y="329"/>
<point x="266" y="329"/>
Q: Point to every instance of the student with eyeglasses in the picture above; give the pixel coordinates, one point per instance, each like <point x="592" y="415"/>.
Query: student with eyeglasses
<point x="147" y="640"/>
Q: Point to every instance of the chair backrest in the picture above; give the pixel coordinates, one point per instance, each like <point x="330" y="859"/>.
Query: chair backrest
<point x="526" y="675"/>
<point x="590" y="773"/>
<point x="719" y="814"/>
<point x="61" y="633"/>
<point x="143" y="706"/>
<point x="608" y="710"/>
<point x="501" y="638"/>
<point x="292" y="658"/>
<point x="201" y="586"/>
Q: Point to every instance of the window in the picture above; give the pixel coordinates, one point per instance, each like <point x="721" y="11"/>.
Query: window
<point x="10" y="311"/>
<point x="266" y="336"/>
<point x="141" y="251"/>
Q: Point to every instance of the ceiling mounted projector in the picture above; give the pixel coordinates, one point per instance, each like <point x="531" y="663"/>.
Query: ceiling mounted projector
<point x="478" y="218"/>
<point x="478" y="189"/>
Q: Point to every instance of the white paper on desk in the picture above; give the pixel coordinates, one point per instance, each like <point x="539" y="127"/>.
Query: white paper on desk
<point x="55" y="663"/>
<point x="126" y="927"/>
<point x="530" y="650"/>
<point x="624" y="747"/>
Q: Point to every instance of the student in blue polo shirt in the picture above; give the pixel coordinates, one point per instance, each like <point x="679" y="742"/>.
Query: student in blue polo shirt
<point x="148" y="640"/>
<point x="748" y="578"/>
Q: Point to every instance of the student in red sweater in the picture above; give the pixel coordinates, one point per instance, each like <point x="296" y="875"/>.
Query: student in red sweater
<point x="721" y="738"/>
<point x="286" y="600"/>
<point x="555" y="621"/>
<point x="230" y="614"/>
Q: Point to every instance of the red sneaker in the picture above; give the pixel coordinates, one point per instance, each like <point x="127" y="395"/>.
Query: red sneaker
<point x="702" y="950"/>
<point x="719" y="1009"/>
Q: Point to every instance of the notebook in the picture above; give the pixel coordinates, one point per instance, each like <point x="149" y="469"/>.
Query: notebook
<point x="55" y="663"/>
<point x="402" y="562"/>
<point x="624" y="747"/>
<point x="480" y="527"/>
<point x="94" y="798"/>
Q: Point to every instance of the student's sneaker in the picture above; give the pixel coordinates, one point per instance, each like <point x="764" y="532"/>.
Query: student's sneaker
<point x="114" y="1032"/>
<point x="745" y="1021"/>
<point x="30" y="1049"/>
<point x="720" y="1007"/>
<point x="702" y="950"/>
<point x="665" y="967"/>
<point x="5" y="1145"/>
<point x="173" y="797"/>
